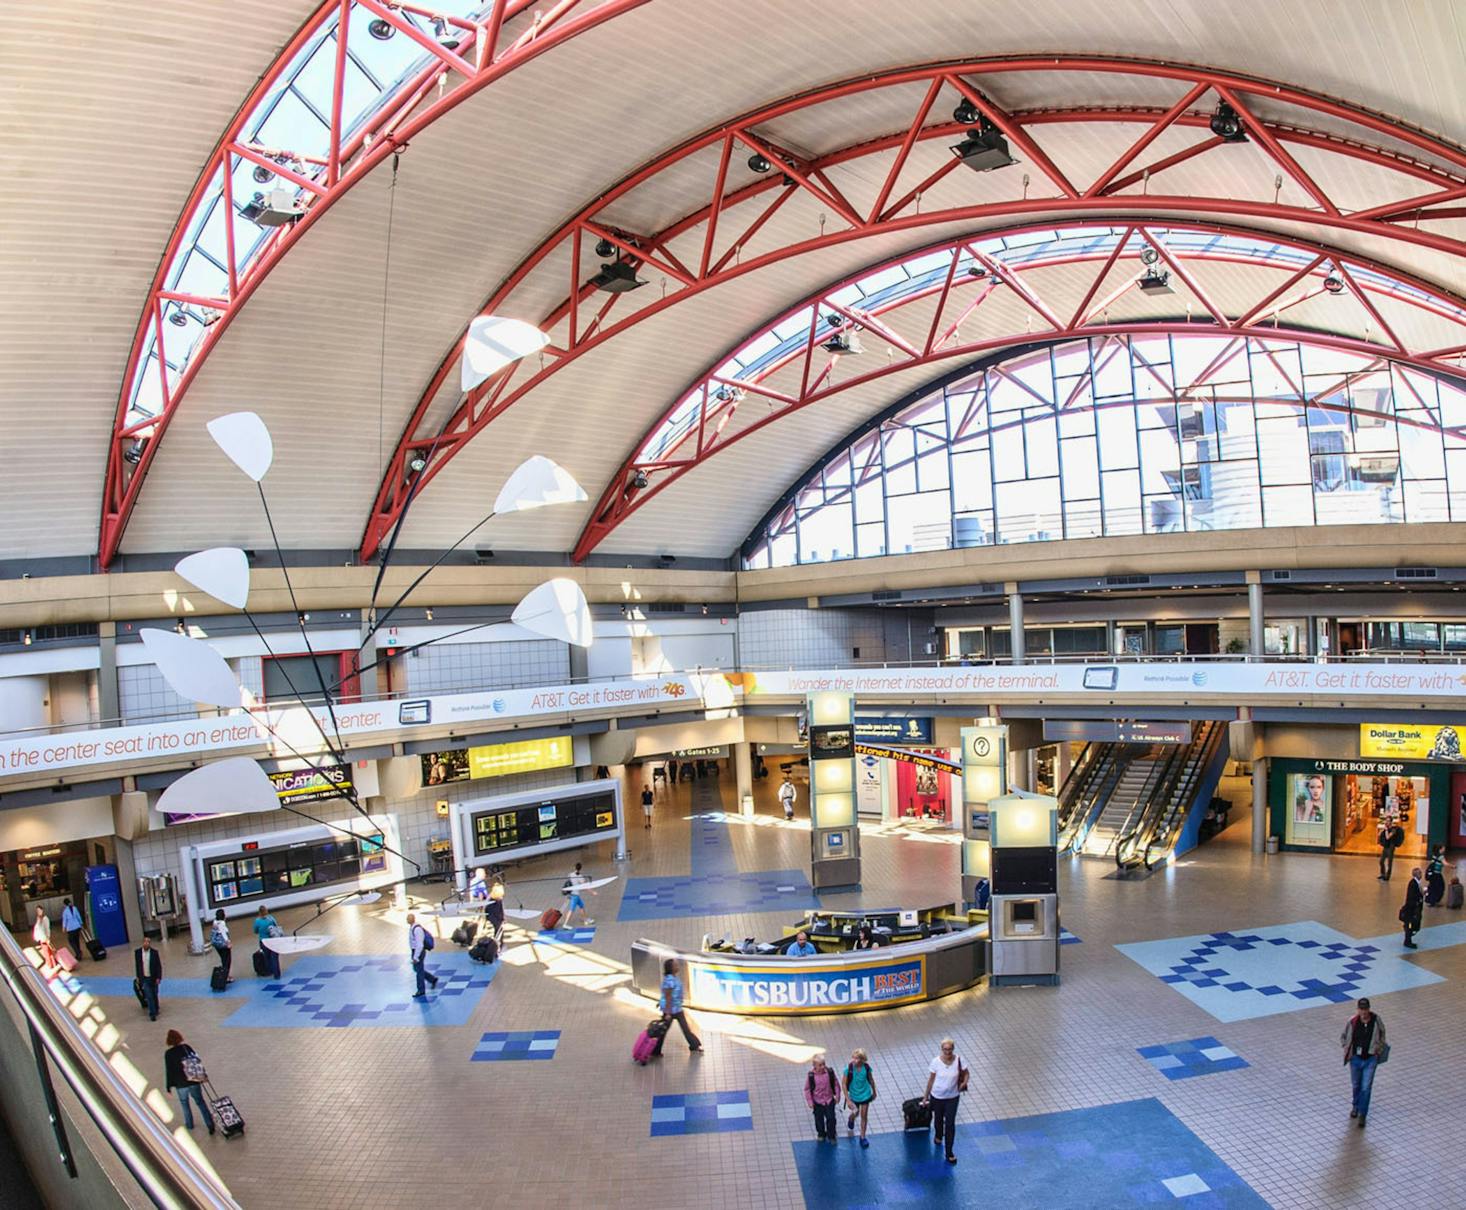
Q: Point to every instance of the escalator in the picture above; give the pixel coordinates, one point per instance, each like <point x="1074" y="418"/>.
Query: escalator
<point x="1085" y="791"/>
<point x="1184" y="779"/>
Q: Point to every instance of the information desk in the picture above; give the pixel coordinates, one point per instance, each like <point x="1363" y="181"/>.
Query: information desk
<point x="836" y="932"/>
<point x="776" y="985"/>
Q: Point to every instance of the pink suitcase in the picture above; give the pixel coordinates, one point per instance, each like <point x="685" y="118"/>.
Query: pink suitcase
<point x="641" y="1050"/>
<point x="65" y="959"/>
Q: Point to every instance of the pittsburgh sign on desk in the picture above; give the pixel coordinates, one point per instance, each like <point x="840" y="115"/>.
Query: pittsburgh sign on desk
<point x="800" y="986"/>
<point x="1410" y="741"/>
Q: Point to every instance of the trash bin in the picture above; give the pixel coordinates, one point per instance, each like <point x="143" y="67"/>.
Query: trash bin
<point x="1272" y="844"/>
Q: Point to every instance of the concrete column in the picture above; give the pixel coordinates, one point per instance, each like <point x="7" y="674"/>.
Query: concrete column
<point x="1020" y="768"/>
<point x="108" y="703"/>
<point x="743" y="775"/>
<point x="1062" y="764"/>
<point x="1015" y="622"/>
<point x="1259" y="804"/>
<point x="1254" y="617"/>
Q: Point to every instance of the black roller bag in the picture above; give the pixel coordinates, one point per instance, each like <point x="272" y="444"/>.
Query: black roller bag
<point x="916" y="1115"/>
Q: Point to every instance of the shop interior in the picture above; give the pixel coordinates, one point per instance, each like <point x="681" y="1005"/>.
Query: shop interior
<point x="46" y="876"/>
<point x="1364" y="800"/>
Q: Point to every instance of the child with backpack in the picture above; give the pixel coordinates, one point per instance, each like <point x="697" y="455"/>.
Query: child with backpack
<point x="860" y="1091"/>
<point x="822" y="1094"/>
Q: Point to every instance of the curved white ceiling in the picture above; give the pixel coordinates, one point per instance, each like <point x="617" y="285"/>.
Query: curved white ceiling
<point x="115" y="155"/>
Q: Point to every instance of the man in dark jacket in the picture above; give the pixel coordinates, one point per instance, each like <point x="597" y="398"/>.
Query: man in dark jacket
<point x="148" y="965"/>
<point x="1414" y="906"/>
<point x="1391" y="837"/>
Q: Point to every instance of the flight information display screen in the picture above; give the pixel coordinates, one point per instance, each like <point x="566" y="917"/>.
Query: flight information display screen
<point x="263" y="872"/>
<point x="537" y="823"/>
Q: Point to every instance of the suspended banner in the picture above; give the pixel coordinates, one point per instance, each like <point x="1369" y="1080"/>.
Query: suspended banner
<point x="922" y="760"/>
<point x="1408" y="741"/>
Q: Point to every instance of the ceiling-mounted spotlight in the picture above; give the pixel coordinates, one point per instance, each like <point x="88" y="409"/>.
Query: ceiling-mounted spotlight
<point x="178" y="319"/>
<point x="759" y="163"/>
<point x="1333" y="284"/>
<point x="1148" y="254"/>
<point x="976" y="270"/>
<point x="843" y="343"/>
<point x="966" y="112"/>
<point x="381" y="29"/>
<point x="983" y="149"/>
<point x="617" y="277"/>
<point x="639" y="480"/>
<point x="727" y="394"/>
<point x="282" y="206"/>
<point x="1156" y="283"/>
<point x="605" y="248"/>
<point x="448" y="37"/>
<point x="1226" y="124"/>
<point x="417" y="462"/>
<point x="262" y="174"/>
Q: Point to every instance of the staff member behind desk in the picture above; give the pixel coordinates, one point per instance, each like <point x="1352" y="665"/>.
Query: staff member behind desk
<point x="72" y="922"/>
<point x="148" y="965"/>
<point x="802" y="947"/>
<point x="865" y="938"/>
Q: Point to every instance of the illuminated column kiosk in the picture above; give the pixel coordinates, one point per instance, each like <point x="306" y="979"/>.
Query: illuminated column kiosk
<point x="833" y="836"/>
<point x="984" y="778"/>
<point x="1024" y="916"/>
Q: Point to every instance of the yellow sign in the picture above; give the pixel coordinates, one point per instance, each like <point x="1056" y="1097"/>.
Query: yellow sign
<point x="526" y="756"/>
<point x="1410" y="741"/>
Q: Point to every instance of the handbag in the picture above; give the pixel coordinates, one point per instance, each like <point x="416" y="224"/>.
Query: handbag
<point x="1384" y="1054"/>
<point x="193" y="1068"/>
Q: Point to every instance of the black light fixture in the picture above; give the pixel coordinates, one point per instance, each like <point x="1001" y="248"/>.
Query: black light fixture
<point x="1227" y="125"/>
<point x="177" y="318"/>
<point x="639" y="480"/>
<point x="134" y="452"/>
<point x="759" y="163"/>
<point x="605" y="248"/>
<point x="976" y="270"/>
<point x="983" y="149"/>
<point x="381" y="29"/>
<point x="727" y="394"/>
<point x="1156" y="283"/>
<point x="279" y="209"/>
<point x="1148" y="254"/>
<point x="1333" y="284"/>
<point x="617" y="277"/>
<point x="843" y="344"/>
<point x="966" y="112"/>
<point x="262" y="174"/>
<point x="448" y="38"/>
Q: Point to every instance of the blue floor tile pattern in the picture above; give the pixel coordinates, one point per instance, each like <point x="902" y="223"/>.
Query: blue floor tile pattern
<point x="1135" y="1153"/>
<point x="502" y="1046"/>
<point x="1194" y="1057"/>
<point x="354" y="990"/>
<point x="1068" y="938"/>
<point x="1277" y="969"/>
<point x="567" y="936"/>
<point x="172" y="989"/>
<point x="715" y="887"/>
<point x="701" y="1113"/>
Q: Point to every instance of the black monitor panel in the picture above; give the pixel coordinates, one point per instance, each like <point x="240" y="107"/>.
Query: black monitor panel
<point x="1025" y="871"/>
<point x="563" y="817"/>
<point x="291" y="868"/>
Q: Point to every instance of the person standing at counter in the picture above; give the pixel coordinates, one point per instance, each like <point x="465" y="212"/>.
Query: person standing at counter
<point x="860" y="1091"/>
<point x="802" y="947"/>
<point x="266" y="925"/>
<point x="946" y="1081"/>
<point x="148" y="965"/>
<point x="787" y="795"/>
<point x="821" y="1094"/>
<point x="671" y="1004"/>
<point x="73" y="924"/>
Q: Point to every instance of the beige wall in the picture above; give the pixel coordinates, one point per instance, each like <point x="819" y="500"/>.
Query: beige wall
<point x="1309" y="742"/>
<point x="55" y="823"/>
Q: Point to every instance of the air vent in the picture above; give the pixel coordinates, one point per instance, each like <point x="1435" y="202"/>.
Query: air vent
<point x="664" y="607"/>
<point x="1415" y="573"/>
<point x="1280" y="575"/>
<point x="887" y="594"/>
<point x="1121" y="581"/>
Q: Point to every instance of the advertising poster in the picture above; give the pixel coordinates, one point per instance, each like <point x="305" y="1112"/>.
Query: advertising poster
<point x="1410" y="741"/>
<point x="1310" y="810"/>
<point x="497" y="760"/>
<point x="868" y="796"/>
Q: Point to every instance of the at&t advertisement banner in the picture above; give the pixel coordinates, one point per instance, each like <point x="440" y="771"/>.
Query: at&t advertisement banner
<point x="801" y="986"/>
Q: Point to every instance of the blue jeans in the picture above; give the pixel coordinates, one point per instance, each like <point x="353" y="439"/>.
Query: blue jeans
<point x="187" y="1092"/>
<point x="150" y="993"/>
<point x="420" y="969"/>
<point x="1361" y="1080"/>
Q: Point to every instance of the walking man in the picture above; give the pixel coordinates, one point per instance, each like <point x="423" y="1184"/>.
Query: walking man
<point x="671" y="1005"/>
<point x="1391" y="837"/>
<point x="148" y="964"/>
<point x="71" y="921"/>
<point x="1414" y="907"/>
<point x="787" y="795"/>
<point x="419" y="942"/>
<point x="1363" y="1041"/>
<point x="573" y="885"/>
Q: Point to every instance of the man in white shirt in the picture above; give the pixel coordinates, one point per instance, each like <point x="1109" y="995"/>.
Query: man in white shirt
<point x="419" y="942"/>
<point x="787" y="795"/>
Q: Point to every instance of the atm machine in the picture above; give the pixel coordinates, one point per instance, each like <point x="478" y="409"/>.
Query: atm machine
<point x="1024" y="914"/>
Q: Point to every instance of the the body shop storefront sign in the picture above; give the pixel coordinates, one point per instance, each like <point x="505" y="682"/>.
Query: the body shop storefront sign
<point x="794" y="986"/>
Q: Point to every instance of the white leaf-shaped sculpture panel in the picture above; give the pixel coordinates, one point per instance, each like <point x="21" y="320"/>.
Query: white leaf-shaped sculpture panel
<point x="222" y="572"/>
<point x="537" y="482"/>
<point x="193" y="669"/>
<point x="235" y="785"/>
<point x="492" y="343"/>
<point x="245" y="439"/>
<point x="556" y="610"/>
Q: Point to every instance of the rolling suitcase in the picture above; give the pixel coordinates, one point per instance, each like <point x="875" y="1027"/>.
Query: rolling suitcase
<point x="218" y="980"/>
<point x="95" y="948"/>
<point x="1454" y="894"/>
<point x="226" y="1114"/>
<point x="916" y="1115"/>
<point x="65" y="959"/>
<point x="485" y="949"/>
<point x="464" y="933"/>
<point x="641" y="1049"/>
<point x="550" y="919"/>
<point x="262" y="964"/>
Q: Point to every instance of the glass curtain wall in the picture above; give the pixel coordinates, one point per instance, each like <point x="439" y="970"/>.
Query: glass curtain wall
<point x="1146" y="433"/>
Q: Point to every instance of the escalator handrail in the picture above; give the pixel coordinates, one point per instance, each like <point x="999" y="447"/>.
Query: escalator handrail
<point x="1086" y="794"/>
<point x="1075" y="784"/>
<point x="1150" y="793"/>
<point x="1182" y="801"/>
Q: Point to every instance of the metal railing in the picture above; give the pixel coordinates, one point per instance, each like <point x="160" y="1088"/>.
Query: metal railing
<point x="166" y="1174"/>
